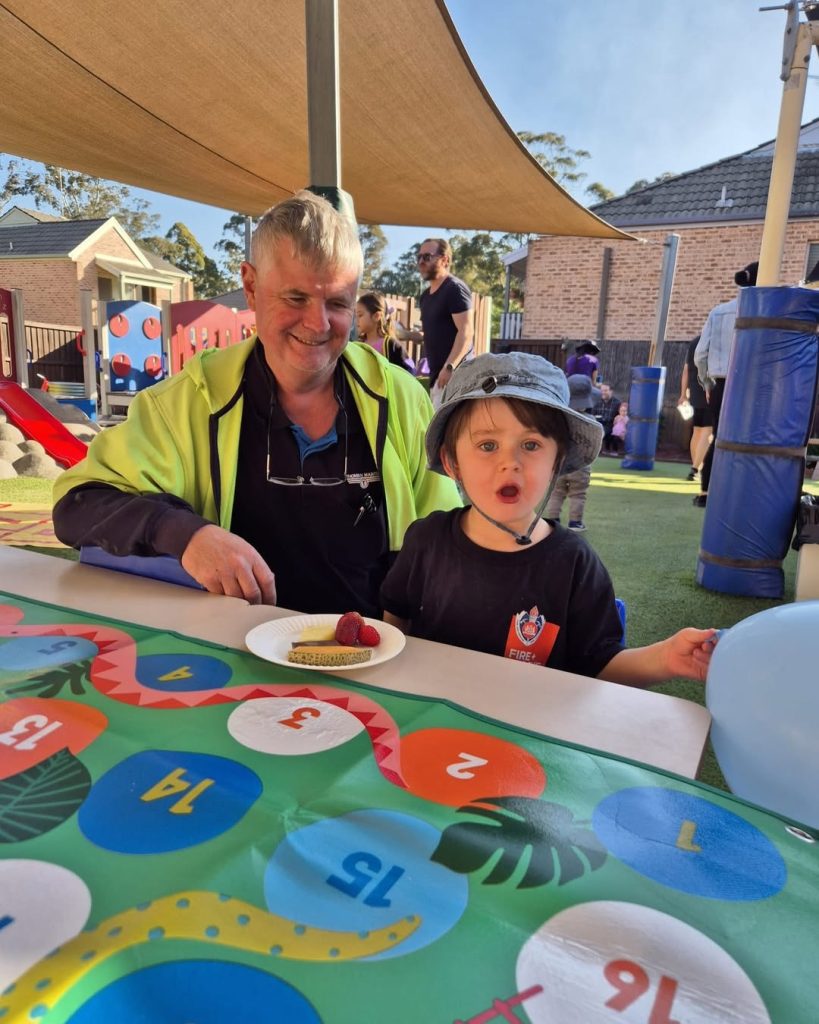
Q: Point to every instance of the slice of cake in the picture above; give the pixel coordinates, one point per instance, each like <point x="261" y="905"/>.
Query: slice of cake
<point x="327" y="655"/>
<point x="317" y="634"/>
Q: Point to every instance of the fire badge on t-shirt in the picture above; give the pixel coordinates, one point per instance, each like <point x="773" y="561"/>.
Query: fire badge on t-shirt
<point x="531" y="638"/>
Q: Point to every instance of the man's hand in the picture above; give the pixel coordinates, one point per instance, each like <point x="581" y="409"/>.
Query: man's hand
<point x="225" y="564"/>
<point x="443" y="378"/>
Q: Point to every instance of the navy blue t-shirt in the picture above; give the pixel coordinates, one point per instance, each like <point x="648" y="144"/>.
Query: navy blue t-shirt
<point x="456" y="592"/>
<point x="437" y="308"/>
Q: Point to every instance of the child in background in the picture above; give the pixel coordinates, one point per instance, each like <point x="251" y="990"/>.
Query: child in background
<point x="574" y="485"/>
<point x="374" y="325"/>
<point x="618" y="428"/>
<point x="495" y="576"/>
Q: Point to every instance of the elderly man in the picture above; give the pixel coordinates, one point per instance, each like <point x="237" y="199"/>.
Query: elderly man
<point x="283" y="469"/>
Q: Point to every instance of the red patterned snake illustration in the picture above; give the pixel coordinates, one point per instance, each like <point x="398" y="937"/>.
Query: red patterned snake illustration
<point x="113" y="673"/>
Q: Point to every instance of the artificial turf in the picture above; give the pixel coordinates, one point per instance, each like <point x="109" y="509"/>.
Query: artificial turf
<point x="644" y="527"/>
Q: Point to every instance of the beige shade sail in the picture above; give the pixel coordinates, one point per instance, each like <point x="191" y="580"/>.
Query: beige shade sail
<point x="206" y="100"/>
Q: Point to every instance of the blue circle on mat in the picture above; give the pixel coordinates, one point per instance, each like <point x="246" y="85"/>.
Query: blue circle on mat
<point x="30" y="653"/>
<point x="364" y="871"/>
<point x="161" y="800"/>
<point x="179" y="672"/>
<point x="690" y="844"/>
<point x="196" y="992"/>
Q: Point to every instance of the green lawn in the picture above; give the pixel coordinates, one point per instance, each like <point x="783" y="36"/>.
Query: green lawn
<point x="647" y="532"/>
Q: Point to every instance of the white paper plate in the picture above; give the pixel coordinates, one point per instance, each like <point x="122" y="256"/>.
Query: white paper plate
<point x="272" y="640"/>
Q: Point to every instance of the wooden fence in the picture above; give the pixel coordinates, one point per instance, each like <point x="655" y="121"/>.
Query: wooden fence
<point x="407" y="310"/>
<point x="53" y="352"/>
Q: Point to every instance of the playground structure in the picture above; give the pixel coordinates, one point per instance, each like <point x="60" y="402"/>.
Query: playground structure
<point x="136" y="345"/>
<point x="37" y="423"/>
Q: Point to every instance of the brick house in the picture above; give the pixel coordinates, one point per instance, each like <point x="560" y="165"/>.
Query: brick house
<point x="590" y="288"/>
<point x="52" y="259"/>
<point x="593" y="288"/>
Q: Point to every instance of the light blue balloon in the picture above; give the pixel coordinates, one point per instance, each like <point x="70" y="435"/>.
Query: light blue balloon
<point x="763" y="695"/>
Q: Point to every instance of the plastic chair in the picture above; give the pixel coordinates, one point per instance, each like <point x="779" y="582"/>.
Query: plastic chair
<point x="157" y="567"/>
<point x="621" y="611"/>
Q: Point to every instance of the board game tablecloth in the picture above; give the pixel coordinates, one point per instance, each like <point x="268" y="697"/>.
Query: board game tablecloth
<point x="191" y="834"/>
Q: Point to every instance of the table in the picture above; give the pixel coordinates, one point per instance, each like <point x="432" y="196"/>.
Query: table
<point x="188" y="832"/>
<point x="662" y="731"/>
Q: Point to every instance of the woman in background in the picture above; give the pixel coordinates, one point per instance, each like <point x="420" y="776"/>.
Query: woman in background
<point x="373" y="320"/>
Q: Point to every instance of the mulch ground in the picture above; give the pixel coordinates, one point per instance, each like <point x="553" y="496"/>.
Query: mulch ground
<point x="27" y="524"/>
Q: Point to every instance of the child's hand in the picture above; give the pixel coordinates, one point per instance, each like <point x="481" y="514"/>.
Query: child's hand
<point x="688" y="653"/>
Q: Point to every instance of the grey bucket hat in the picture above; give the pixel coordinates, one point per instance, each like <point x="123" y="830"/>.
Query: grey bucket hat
<point x="515" y="375"/>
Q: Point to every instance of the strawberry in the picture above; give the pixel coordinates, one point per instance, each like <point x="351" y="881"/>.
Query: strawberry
<point x="369" y="636"/>
<point x="348" y="627"/>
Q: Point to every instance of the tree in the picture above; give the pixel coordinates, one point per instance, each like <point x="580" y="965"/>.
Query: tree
<point x="180" y="247"/>
<point x="77" y="196"/>
<point x="556" y="156"/>
<point x="599" y="192"/>
<point x="642" y="183"/>
<point x="20" y="180"/>
<point x="373" y="245"/>
<point x="476" y="259"/>
<point x="403" y="277"/>
<point x="232" y="247"/>
<point x="562" y="162"/>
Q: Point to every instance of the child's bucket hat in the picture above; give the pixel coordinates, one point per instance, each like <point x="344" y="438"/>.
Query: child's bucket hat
<point x="515" y="375"/>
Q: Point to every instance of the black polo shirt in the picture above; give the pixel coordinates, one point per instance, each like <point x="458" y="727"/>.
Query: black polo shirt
<point x="327" y="546"/>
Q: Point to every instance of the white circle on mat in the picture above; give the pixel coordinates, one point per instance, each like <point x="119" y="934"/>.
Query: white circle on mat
<point x="291" y="725"/>
<point x="604" y="961"/>
<point x="42" y="906"/>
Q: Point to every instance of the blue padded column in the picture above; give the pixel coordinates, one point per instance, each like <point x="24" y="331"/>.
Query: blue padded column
<point x="759" y="458"/>
<point x="645" y="401"/>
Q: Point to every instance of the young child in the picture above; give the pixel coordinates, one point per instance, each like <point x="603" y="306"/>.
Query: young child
<point x="620" y="425"/>
<point x="374" y="325"/>
<point x="496" y="577"/>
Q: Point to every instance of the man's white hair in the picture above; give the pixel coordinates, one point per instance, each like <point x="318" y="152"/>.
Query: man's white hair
<point x="320" y="236"/>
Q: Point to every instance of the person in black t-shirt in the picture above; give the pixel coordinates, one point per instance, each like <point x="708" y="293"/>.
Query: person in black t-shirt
<point x="604" y="412"/>
<point x="446" y="312"/>
<point x="495" y="576"/>
<point x="692" y="391"/>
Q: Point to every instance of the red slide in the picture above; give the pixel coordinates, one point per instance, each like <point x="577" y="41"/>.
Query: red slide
<point x="37" y="423"/>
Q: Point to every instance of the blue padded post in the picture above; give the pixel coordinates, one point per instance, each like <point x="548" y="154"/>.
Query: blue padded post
<point x="759" y="458"/>
<point x="645" y="401"/>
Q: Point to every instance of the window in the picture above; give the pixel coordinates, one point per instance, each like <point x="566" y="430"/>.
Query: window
<point x="813" y="258"/>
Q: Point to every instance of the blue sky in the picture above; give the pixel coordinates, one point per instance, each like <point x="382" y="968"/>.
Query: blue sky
<point x="646" y="86"/>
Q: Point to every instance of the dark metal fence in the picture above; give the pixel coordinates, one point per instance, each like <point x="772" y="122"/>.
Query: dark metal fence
<point x="616" y="360"/>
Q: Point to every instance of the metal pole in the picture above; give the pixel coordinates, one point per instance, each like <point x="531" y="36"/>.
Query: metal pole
<point x="323" y="106"/>
<point x="655" y="352"/>
<point x="603" y="301"/>
<point x="784" y="161"/>
<point x="248" y="236"/>
<point x="18" y="341"/>
<point x="89" y="363"/>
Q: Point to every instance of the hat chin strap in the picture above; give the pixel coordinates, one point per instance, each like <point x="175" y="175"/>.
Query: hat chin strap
<point x="523" y="539"/>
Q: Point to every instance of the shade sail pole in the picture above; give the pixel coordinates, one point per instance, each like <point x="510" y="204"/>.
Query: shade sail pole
<point x="323" y="103"/>
<point x="798" y="40"/>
